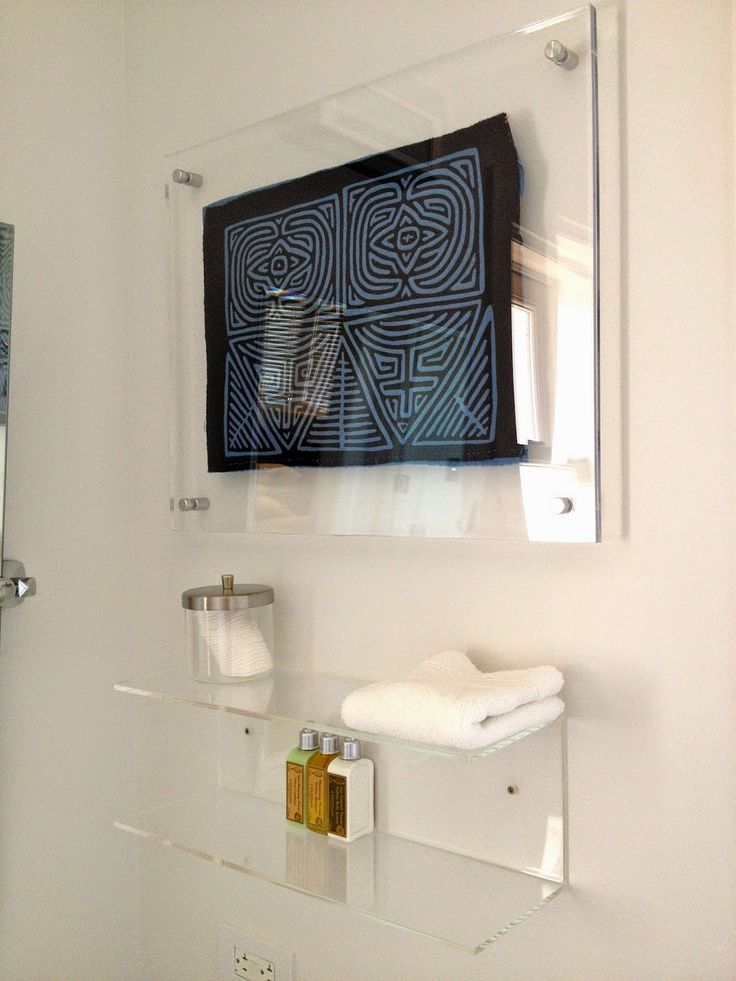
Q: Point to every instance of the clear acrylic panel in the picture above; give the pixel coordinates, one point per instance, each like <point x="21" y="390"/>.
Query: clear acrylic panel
<point x="444" y="896"/>
<point x="344" y="380"/>
<point x="288" y="696"/>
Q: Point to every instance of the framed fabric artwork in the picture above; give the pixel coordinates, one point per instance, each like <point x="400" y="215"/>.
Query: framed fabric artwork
<point x="361" y="315"/>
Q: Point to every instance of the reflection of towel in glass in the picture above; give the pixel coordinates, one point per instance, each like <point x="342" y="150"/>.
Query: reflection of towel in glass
<point x="447" y="701"/>
<point x="362" y="315"/>
<point x="288" y="365"/>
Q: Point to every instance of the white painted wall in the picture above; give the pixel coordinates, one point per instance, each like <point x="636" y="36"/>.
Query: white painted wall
<point x="67" y="883"/>
<point x="642" y="625"/>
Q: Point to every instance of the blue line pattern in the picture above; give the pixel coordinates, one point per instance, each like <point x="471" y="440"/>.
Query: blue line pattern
<point x="295" y="250"/>
<point x="416" y="235"/>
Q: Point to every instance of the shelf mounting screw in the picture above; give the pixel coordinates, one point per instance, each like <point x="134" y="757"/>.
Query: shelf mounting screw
<point x="561" y="505"/>
<point x="559" y="54"/>
<point x="193" y="503"/>
<point x="186" y="177"/>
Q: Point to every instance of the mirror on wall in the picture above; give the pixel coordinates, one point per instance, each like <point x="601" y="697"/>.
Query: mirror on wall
<point x="15" y="585"/>
<point x="6" y="295"/>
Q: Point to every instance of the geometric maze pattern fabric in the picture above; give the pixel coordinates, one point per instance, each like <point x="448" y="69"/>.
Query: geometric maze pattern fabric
<point x="361" y="315"/>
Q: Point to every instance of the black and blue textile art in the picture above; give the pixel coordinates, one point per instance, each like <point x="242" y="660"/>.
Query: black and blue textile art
<point x="362" y="315"/>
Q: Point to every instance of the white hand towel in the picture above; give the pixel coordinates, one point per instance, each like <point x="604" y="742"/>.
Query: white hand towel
<point x="447" y="701"/>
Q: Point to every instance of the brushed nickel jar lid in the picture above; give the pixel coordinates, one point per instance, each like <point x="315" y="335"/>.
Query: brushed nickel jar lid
<point x="228" y="596"/>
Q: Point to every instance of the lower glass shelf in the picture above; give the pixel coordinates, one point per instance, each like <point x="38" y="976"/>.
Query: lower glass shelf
<point x="445" y="896"/>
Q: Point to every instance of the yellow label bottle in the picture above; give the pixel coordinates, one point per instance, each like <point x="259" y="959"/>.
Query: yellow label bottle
<point x="317" y="798"/>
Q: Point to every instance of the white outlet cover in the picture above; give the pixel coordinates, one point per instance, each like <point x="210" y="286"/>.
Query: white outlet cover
<point x="231" y="937"/>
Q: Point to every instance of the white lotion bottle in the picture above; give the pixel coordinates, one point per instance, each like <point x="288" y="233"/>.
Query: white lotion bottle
<point x="350" y="793"/>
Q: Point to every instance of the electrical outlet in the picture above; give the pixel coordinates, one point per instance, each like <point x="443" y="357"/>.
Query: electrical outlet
<point x="252" y="967"/>
<point x="251" y="958"/>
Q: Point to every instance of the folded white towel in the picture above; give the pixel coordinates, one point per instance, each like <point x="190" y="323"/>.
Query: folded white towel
<point x="449" y="702"/>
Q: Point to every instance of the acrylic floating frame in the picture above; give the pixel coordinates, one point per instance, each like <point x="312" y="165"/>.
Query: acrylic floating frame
<point x="543" y="77"/>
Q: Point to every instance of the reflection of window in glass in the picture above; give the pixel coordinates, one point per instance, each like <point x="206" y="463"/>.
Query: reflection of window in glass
<point x="553" y="308"/>
<point x="524" y="340"/>
<point x="573" y="437"/>
<point x="526" y="395"/>
<point x="553" y="335"/>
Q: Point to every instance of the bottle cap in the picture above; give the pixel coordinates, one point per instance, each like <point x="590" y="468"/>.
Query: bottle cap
<point x="328" y="743"/>
<point x="308" y="738"/>
<point x="350" y="749"/>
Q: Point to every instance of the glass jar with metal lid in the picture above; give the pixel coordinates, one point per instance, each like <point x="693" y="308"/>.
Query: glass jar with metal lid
<point x="229" y="631"/>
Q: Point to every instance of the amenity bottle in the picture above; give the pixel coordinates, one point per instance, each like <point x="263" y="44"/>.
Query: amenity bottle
<point x="350" y="793"/>
<point x="317" y="800"/>
<point x="296" y="775"/>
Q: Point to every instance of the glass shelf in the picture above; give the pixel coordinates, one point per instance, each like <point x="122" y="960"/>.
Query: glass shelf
<point x="460" y="875"/>
<point x="301" y="699"/>
<point x="439" y="894"/>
